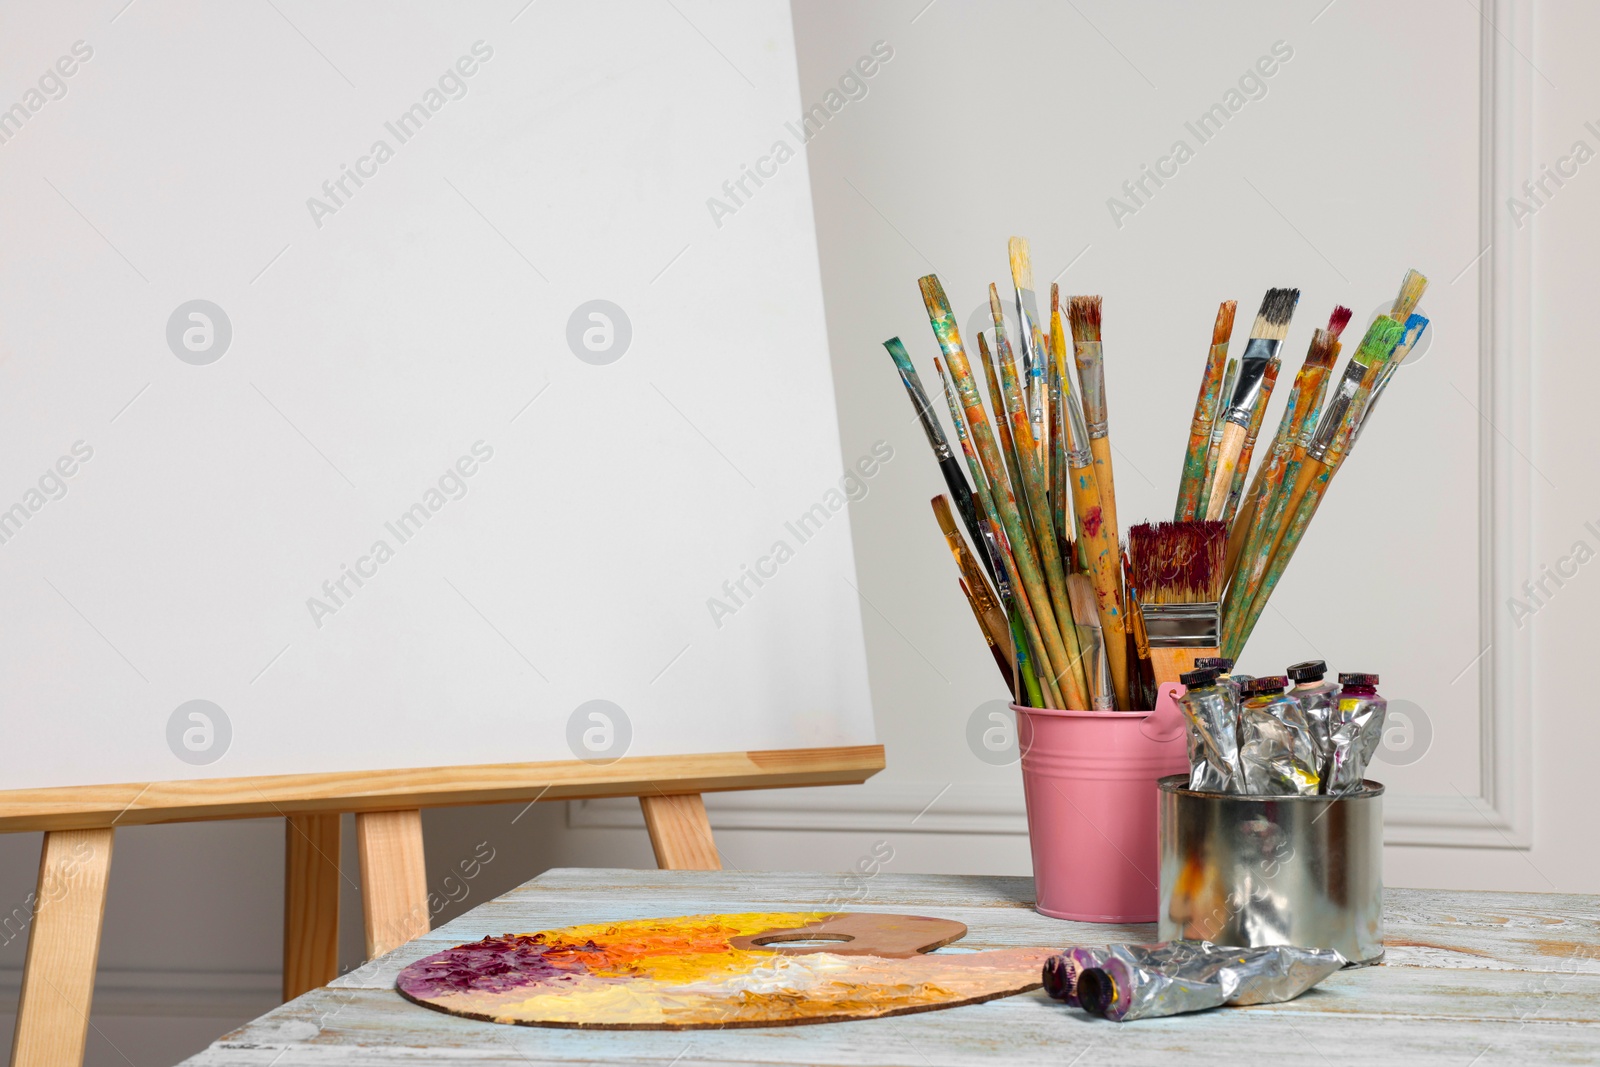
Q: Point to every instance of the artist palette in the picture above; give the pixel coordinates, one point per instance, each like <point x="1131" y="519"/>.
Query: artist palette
<point x="716" y="971"/>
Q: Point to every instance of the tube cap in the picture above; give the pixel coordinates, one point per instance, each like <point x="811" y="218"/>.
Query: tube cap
<point x="1198" y="678"/>
<point x="1222" y="663"/>
<point x="1312" y="670"/>
<point x="1096" y="991"/>
<point x="1359" y="679"/>
<point x="1272" y="683"/>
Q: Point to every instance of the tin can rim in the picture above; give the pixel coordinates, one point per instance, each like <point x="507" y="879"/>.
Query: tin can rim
<point x="1177" y="784"/>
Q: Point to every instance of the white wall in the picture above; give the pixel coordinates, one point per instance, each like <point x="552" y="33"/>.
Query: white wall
<point x="924" y="166"/>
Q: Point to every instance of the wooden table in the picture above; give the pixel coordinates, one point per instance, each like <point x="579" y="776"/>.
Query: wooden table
<point x="1470" y="979"/>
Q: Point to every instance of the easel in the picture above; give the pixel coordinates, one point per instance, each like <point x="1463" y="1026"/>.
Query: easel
<point x="64" y="943"/>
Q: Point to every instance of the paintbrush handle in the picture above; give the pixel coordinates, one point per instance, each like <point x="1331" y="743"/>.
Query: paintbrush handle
<point x="1168" y="663"/>
<point x="1214" y="447"/>
<point x="961" y="494"/>
<point x="1030" y="625"/>
<point x="1192" y="481"/>
<point x="1001" y="656"/>
<point x="1103" y="571"/>
<point x="1304" y="511"/>
<point x="1027" y="679"/>
<point x="1233" y="436"/>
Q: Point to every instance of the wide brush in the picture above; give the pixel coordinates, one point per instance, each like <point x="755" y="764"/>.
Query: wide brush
<point x="1205" y="415"/>
<point x="1271" y="327"/>
<point x="1177" y="568"/>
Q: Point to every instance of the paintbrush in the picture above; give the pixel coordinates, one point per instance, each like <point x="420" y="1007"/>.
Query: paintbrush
<point x="984" y="599"/>
<point x="1099" y="553"/>
<point x="1214" y="444"/>
<point x="1205" y="414"/>
<point x="1024" y="629"/>
<point x="1031" y="586"/>
<point x="1257" y="414"/>
<point x="1335" y="427"/>
<point x="1002" y="424"/>
<point x="1008" y="670"/>
<point x="960" y="492"/>
<point x="1086" y="616"/>
<point x="1074" y="685"/>
<point x="1083" y="312"/>
<point x="1031" y="341"/>
<point x="1271" y="327"/>
<point x="1327" y="467"/>
<point x="1411" y="289"/>
<point x="1305" y="397"/>
<point x="1177" y="568"/>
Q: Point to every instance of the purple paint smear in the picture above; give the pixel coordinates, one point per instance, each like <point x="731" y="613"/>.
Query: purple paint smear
<point x="495" y="965"/>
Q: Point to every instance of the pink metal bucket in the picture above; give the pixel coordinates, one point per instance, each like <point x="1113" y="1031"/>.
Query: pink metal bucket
<point x="1089" y="778"/>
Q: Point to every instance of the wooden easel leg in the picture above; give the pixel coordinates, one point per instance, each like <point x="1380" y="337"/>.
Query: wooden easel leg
<point x="310" y="902"/>
<point x="63" y="948"/>
<point x="394" y="886"/>
<point x="680" y="833"/>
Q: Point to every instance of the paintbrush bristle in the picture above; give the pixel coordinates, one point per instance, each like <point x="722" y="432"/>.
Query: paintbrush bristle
<point x="1021" y="264"/>
<point x="1411" y="288"/>
<point x="1324" y="346"/>
<point x="1339" y="320"/>
<point x="1084" y="314"/>
<point x="1080" y="597"/>
<point x="1223" y="328"/>
<point x="1382" y="336"/>
<point x="1055" y="299"/>
<point x="994" y="307"/>
<point x="1277" y="308"/>
<point x="941" y="512"/>
<point x="1178" y="562"/>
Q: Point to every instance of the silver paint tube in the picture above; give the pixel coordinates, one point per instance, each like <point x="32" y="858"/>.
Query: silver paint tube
<point x="1148" y="981"/>
<point x="1277" y="755"/>
<point x="1319" y="700"/>
<point x="1212" y="712"/>
<point x="1354" y="732"/>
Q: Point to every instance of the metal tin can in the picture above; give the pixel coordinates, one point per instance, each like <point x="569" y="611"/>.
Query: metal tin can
<point x="1254" y="870"/>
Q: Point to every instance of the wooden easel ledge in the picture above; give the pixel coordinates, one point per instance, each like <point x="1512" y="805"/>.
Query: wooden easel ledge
<point x="144" y="803"/>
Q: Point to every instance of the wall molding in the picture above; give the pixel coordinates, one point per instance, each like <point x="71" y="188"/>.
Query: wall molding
<point x="1499" y="815"/>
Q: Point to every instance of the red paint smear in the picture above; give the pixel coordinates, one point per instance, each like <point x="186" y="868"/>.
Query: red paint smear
<point x="1091" y="522"/>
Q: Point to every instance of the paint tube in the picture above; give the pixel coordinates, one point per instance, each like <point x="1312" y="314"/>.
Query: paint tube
<point x="1061" y="972"/>
<point x="1276" y="753"/>
<point x="1225" y="675"/>
<point x="1212" y="713"/>
<point x="1148" y="981"/>
<point x="1355" y="731"/>
<point x="1319" y="700"/>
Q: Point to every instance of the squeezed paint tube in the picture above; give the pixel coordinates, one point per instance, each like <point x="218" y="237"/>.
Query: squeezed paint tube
<point x="1319" y="700"/>
<point x="1129" y="982"/>
<point x="1212" y="712"/>
<point x="1277" y="755"/>
<point x="1354" y="731"/>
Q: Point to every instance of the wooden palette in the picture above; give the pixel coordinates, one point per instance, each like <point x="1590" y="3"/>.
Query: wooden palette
<point x="718" y="971"/>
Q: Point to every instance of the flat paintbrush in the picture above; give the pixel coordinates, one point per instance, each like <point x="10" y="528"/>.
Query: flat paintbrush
<point x="1271" y="327"/>
<point x="1083" y="312"/>
<point x="1206" y="404"/>
<point x="1334" y="428"/>
<point x="960" y="492"/>
<point x="1305" y="397"/>
<point x="1099" y="553"/>
<point x="1032" y="584"/>
<point x="1177" y="568"/>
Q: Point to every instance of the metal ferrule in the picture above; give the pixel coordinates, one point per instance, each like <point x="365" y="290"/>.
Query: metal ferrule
<point x="1252" y="369"/>
<point x="1334" y="411"/>
<point x="1183" y="625"/>
<point x="1078" y="454"/>
<point x="1092" y="384"/>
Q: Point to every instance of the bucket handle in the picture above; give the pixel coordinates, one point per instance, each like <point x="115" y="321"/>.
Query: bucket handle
<point x="1166" y="722"/>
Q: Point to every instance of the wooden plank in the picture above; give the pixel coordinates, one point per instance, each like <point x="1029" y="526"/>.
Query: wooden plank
<point x="310" y="903"/>
<point x="394" y="883"/>
<point x="63" y="948"/>
<point x="141" y="803"/>
<point x="680" y="833"/>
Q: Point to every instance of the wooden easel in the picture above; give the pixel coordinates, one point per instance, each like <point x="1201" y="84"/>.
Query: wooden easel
<point x="79" y="823"/>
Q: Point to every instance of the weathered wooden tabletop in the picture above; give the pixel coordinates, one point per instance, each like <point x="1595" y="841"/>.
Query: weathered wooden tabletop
<point x="1469" y="979"/>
